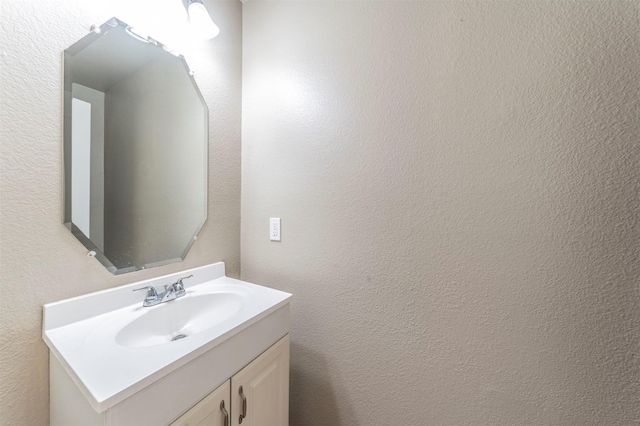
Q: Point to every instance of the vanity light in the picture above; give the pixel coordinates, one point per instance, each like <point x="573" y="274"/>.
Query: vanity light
<point x="201" y="22"/>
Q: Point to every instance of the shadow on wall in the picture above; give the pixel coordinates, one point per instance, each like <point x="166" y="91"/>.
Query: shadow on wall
<point x="317" y="404"/>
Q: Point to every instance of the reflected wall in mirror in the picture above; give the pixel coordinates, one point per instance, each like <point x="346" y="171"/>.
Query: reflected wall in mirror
<point x="135" y="149"/>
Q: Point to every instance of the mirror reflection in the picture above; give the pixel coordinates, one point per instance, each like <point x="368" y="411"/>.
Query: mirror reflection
<point x="135" y="144"/>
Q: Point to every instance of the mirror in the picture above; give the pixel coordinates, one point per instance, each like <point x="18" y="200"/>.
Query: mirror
<point x="135" y="149"/>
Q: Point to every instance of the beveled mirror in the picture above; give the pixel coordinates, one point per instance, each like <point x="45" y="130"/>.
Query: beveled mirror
<point x="135" y="149"/>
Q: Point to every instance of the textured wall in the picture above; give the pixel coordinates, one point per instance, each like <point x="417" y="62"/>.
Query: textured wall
<point x="458" y="186"/>
<point x="40" y="260"/>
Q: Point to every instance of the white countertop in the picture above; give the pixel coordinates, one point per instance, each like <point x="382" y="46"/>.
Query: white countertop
<point x="81" y="331"/>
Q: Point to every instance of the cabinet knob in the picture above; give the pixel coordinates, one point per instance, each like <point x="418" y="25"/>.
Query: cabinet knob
<point x="244" y="406"/>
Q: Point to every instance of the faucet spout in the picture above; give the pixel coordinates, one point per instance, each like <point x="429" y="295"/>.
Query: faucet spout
<point x="171" y="292"/>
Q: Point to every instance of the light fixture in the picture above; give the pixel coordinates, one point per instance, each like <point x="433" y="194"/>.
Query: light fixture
<point x="201" y="22"/>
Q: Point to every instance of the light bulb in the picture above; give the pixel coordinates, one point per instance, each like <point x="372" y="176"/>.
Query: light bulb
<point x="201" y="22"/>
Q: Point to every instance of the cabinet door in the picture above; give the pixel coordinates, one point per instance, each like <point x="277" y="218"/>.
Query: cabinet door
<point x="209" y="411"/>
<point x="265" y="389"/>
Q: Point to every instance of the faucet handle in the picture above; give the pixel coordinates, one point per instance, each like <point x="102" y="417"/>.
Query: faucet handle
<point x="152" y="294"/>
<point x="179" y="282"/>
<point x="179" y="286"/>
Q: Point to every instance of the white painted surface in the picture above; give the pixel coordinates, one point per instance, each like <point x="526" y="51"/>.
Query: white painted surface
<point x="186" y="385"/>
<point x="459" y="182"/>
<point x="68" y="405"/>
<point x="202" y="375"/>
<point x="82" y="333"/>
<point x="80" y="169"/>
<point x="45" y="262"/>
<point x="265" y="386"/>
<point x="209" y="410"/>
<point x="96" y="99"/>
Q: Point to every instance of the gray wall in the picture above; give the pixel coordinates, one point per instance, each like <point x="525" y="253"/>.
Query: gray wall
<point x="458" y="187"/>
<point x="40" y="260"/>
<point x="154" y="140"/>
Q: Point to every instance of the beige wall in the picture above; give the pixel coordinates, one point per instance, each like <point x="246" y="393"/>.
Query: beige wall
<point x="40" y="261"/>
<point x="458" y="186"/>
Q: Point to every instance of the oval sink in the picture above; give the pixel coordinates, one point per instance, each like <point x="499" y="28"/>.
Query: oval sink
<point x="179" y="319"/>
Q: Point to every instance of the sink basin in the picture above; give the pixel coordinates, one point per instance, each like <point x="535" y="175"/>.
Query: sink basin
<point x="180" y="318"/>
<point x="113" y="348"/>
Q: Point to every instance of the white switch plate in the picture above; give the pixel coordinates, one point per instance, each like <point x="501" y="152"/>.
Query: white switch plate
<point x="274" y="229"/>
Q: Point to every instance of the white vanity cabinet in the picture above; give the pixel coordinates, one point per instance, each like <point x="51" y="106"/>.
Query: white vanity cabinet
<point x="264" y="382"/>
<point x="258" y="395"/>
<point x="264" y="400"/>
<point x="113" y="362"/>
<point x="213" y="410"/>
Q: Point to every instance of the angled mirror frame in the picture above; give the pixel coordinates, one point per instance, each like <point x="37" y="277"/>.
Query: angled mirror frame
<point x="135" y="136"/>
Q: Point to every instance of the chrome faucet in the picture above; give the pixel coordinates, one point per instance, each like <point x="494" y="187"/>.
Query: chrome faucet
<point x="170" y="292"/>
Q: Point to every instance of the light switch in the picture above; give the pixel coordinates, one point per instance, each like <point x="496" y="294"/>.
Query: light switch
<point x="274" y="229"/>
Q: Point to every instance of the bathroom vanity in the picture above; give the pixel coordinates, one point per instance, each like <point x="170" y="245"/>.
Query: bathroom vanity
<point x="220" y="353"/>
<point x="207" y="347"/>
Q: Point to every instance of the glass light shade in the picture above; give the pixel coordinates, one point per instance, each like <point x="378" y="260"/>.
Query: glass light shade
<point x="201" y="22"/>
